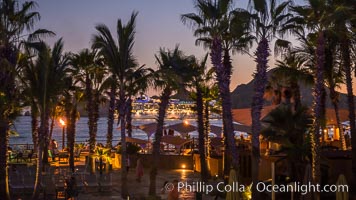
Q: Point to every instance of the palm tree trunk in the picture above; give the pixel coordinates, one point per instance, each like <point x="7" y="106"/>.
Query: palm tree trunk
<point x="129" y="117"/>
<point x="262" y="54"/>
<point x="53" y="117"/>
<point x="200" y="121"/>
<point x="334" y="96"/>
<point x="43" y="133"/>
<point x="206" y="135"/>
<point x="158" y="135"/>
<point x="296" y="94"/>
<point x="48" y="138"/>
<point x="89" y="107"/>
<point x="69" y="129"/>
<point x="4" y="176"/>
<point x="68" y="110"/>
<point x="223" y="72"/>
<point x="71" y="136"/>
<point x="317" y="108"/>
<point x="323" y="112"/>
<point x="34" y="125"/>
<point x="111" y="115"/>
<point x="345" y="51"/>
<point x="207" y="130"/>
<point x="122" y="104"/>
<point x="96" y="116"/>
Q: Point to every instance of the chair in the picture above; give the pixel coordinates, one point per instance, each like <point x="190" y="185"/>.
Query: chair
<point x="90" y="181"/>
<point x="105" y="182"/>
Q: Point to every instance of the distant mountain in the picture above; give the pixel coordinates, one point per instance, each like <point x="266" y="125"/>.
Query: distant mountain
<point x="242" y="96"/>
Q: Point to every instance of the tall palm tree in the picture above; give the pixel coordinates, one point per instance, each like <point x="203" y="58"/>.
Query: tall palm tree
<point x="344" y="20"/>
<point x="267" y="18"/>
<point x="171" y="75"/>
<point x="111" y="111"/>
<point x="14" y="20"/>
<point x="72" y="95"/>
<point x="199" y="83"/>
<point x="84" y="69"/>
<point x="118" y="57"/>
<point x="50" y="65"/>
<point x="220" y="29"/>
<point x="315" y="17"/>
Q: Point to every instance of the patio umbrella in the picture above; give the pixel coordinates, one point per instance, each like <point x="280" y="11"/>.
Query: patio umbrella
<point x="341" y="195"/>
<point x="136" y="140"/>
<point x="149" y="129"/>
<point x="217" y="130"/>
<point x="233" y="195"/>
<point x="182" y="128"/>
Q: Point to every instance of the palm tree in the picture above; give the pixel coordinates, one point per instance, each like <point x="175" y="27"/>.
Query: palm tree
<point x="171" y="75"/>
<point x="72" y="96"/>
<point x="50" y="67"/>
<point x="14" y="20"/>
<point x="118" y="57"/>
<point x="344" y="20"/>
<point x="111" y="112"/>
<point x="221" y="30"/>
<point x="315" y="17"/>
<point x="199" y="83"/>
<point x="267" y="18"/>
<point x="85" y="64"/>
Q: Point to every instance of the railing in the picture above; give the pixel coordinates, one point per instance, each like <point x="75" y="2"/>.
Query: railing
<point x="29" y="146"/>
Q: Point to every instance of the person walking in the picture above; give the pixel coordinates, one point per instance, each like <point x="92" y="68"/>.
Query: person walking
<point x="139" y="170"/>
<point x="71" y="190"/>
<point x="53" y="147"/>
<point x="128" y="163"/>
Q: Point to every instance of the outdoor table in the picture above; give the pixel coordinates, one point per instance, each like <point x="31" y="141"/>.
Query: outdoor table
<point x="63" y="155"/>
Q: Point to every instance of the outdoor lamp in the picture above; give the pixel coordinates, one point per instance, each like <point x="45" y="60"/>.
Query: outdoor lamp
<point x="62" y="122"/>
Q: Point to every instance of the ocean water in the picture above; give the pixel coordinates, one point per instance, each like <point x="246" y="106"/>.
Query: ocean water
<point x="22" y="125"/>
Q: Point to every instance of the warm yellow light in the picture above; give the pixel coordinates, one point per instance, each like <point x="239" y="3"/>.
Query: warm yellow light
<point x="62" y="122"/>
<point x="183" y="166"/>
<point x="186" y="122"/>
<point x="325" y="130"/>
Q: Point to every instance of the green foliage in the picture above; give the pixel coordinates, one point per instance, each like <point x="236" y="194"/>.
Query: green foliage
<point x="288" y="128"/>
<point x="103" y="153"/>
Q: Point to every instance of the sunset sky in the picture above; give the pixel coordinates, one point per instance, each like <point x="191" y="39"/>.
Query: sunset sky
<point x="158" y="25"/>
